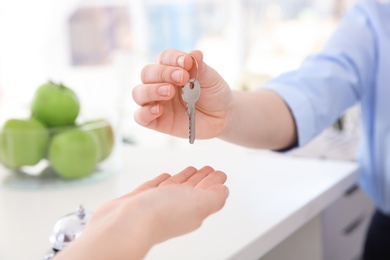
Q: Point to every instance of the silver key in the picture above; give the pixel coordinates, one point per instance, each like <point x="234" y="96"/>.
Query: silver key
<point x="190" y="94"/>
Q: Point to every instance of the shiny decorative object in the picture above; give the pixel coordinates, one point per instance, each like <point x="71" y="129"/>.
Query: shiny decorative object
<point x="67" y="229"/>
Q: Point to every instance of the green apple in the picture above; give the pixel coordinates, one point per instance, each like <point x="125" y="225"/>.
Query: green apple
<point x="53" y="131"/>
<point x="73" y="153"/>
<point x="103" y="134"/>
<point x="22" y="142"/>
<point x="55" y="105"/>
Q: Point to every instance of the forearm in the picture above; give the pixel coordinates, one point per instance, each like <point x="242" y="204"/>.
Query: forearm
<point x="260" y="119"/>
<point x="114" y="240"/>
<point x="99" y="250"/>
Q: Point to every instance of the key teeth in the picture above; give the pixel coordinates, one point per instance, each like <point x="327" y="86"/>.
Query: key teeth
<point x="189" y="136"/>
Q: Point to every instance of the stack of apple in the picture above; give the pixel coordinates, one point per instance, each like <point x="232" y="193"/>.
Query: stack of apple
<point x="52" y="133"/>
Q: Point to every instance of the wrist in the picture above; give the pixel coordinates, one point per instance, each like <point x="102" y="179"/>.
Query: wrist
<point x="130" y="236"/>
<point x="230" y="122"/>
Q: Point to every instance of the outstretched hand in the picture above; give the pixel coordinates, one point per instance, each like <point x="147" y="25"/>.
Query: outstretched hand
<point x="162" y="208"/>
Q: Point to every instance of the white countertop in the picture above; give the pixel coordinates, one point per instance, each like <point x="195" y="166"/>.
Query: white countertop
<point x="271" y="196"/>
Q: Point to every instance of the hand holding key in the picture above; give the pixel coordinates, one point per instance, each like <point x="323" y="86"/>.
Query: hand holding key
<point x="160" y="96"/>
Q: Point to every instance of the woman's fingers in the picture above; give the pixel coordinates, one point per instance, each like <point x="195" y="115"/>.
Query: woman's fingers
<point x="153" y="183"/>
<point x="203" y="178"/>
<point x="199" y="175"/>
<point x="215" y="177"/>
<point x="181" y="177"/>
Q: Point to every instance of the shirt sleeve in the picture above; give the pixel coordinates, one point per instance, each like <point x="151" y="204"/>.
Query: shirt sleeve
<point x="330" y="82"/>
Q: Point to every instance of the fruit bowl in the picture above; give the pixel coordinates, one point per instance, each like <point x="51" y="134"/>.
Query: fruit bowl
<point x="41" y="147"/>
<point x="34" y="156"/>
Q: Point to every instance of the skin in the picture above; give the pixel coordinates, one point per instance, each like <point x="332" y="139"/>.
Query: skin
<point x="127" y="227"/>
<point x="257" y="119"/>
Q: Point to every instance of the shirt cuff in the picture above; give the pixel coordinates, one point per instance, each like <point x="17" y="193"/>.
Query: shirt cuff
<point x="301" y="109"/>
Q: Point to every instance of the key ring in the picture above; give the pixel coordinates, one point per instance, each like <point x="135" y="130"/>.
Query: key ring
<point x="196" y="64"/>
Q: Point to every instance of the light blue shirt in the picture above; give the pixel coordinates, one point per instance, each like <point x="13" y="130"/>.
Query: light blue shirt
<point x="353" y="67"/>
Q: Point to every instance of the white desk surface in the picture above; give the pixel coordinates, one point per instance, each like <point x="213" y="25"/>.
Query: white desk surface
<point x="270" y="198"/>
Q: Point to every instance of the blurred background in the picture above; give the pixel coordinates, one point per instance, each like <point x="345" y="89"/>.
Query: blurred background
<point x="98" y="47"/>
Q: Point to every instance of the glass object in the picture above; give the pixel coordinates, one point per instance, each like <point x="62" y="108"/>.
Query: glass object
<point x="35" y="157"/>
<point x="66" y="230"/>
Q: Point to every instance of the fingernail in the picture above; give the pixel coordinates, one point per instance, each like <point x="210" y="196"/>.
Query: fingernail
<point x="164" y="90"/>
<point x="180" y="61"/>
<point x="155" y="109"/>
<point x="177" y="75"/>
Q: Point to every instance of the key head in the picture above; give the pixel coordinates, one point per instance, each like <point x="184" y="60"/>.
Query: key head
<point x="191" y="92"/>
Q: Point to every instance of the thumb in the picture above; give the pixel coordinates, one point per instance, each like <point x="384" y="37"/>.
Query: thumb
<point x="198" y="65"/>
<point x="214" y="199"/>
<point x="206" y="75"/>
